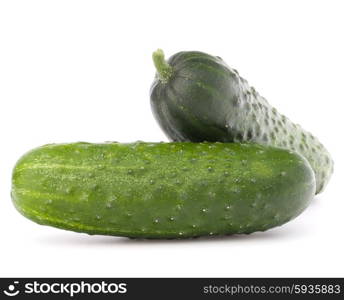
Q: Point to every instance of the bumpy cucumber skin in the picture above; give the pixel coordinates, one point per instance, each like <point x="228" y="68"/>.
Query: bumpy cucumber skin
<point x="206" y="100"/>
<point x="162" y="190"/>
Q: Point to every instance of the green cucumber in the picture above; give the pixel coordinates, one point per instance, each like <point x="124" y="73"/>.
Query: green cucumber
<point x="162" y="190"/>
<point x="197" y="97"/>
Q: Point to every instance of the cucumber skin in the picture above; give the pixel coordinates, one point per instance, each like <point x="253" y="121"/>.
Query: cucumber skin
<point x="162" y="190"/>
<point x="206" y="100"/>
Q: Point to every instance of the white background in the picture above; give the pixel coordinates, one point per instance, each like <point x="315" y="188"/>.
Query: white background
<point x="81" y="71"/>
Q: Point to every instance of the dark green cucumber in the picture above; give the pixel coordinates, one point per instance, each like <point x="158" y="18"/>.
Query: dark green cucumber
<point x="197" y="97"/>
<point x="162" y="190"/>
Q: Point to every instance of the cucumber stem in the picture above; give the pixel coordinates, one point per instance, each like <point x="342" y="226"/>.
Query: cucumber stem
<point x="163" y="68"/>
